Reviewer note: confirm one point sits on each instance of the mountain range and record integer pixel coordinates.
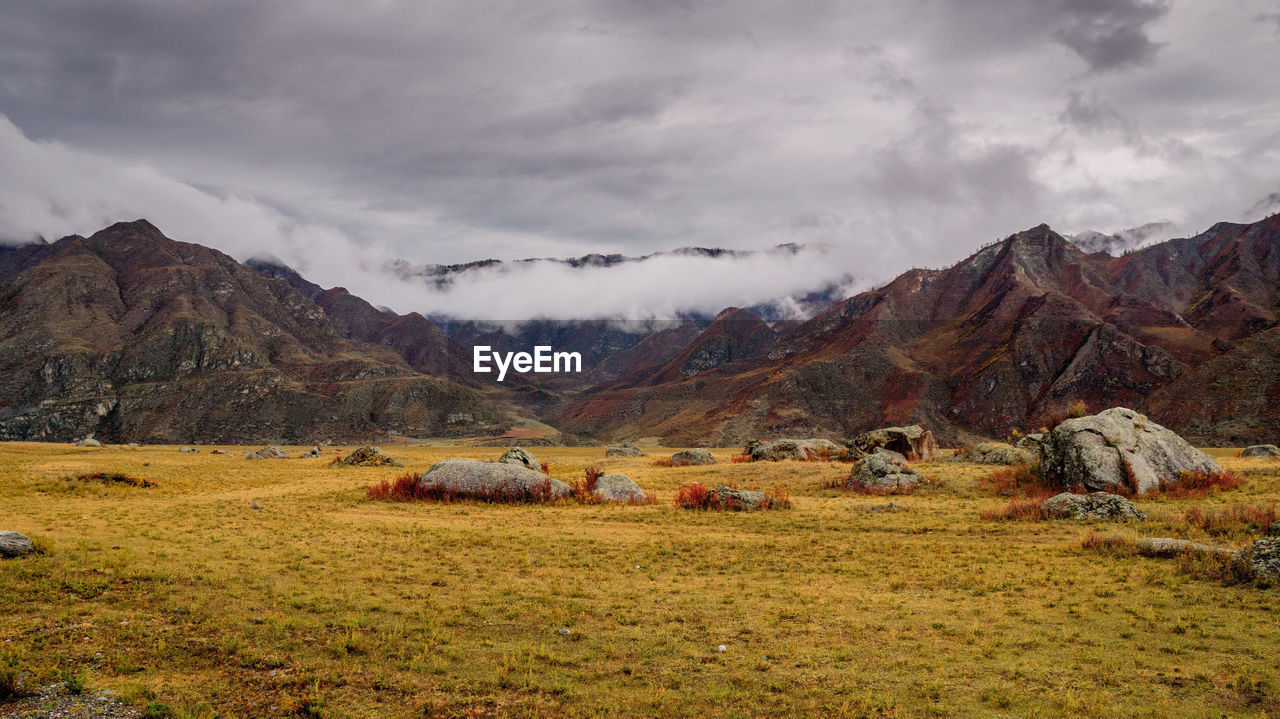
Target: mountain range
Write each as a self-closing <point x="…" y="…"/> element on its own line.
<point x="132" y="336"/>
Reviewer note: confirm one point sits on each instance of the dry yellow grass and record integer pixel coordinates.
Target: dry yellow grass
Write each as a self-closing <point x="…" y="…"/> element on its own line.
<point x="324" y="603"/>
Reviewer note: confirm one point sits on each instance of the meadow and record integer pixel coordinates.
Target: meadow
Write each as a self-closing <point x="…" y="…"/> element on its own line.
<point x="277" y="588"/>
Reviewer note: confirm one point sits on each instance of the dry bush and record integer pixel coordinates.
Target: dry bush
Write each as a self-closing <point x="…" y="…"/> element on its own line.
<point x="663" y="462"/>
<point x="1025" y="510"/>
<point x="1236" y="519"/>
<point x="1026" y="480"/>
<point x="696" y="496"/>
<point x="1108" y="544"/>
<point x="115" y="478"/>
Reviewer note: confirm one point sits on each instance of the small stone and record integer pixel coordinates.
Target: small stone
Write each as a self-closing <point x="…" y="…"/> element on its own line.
<point x="564" y="631"/>
<point x="722" y="649"/>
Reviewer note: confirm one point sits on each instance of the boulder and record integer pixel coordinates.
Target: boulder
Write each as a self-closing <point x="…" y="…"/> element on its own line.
<point x="188" y="450"/>
<point x="311" y="453"/>
<point x="1261" y="450"/>
<point x="88" y="442"/>
<point x="493" y="480"/>
<point x="1274" y="529"/>
<point x="1261" y="560"/>
<point x="996" y="453"/>
<point x="882" y="471"/>
<point x="217" y="451"/>
<point x="895" y="456"/>
<point x="802" y="450"/>
<point x="367" y="456"/>
<point x="743" y="500"/>
<point x="522" y="457"/>
<point x="914" y="442"/>
<point x="14" y="545"/>
<point x="268" y="452"/>
<point x="626" y="449"/>
<point x="618" y="488"/>
<point x="1097" y="505"/>
<point x="1033" y="443"/>
<point x="687" y="457"/>
<point x="1167" y="547"/>
<point x="1118" y="448"/>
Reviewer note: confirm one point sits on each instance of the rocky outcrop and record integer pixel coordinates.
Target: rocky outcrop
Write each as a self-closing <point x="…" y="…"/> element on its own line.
<point x="800" y="450"/>
<point x="882" y="471"/>
<point x="1118" y="448"/>
<point x="1261" y="560"/>
<point x="996" y="453"/>
<point x="268" y="452"/>
<point x="522" y="457"/>
<point x="1096" y="505"/>
<point x="690" y="457"/>
<point x="626" y="449"/>
<point x="1261" y="450"/>
<point x="366" y="456"/>
<point x="742" y="500"/>
<point x="618" y="488"/>
<point x="14" y="545"/>
<point x="500" y="481"/>
<point x="913" y="442"/>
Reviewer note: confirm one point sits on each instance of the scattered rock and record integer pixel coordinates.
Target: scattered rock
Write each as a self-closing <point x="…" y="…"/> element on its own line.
<point x="882" y="470"/>
<point x="626" y="449"/>
<point x="269" y="452"/>
<point x="913" y="442"/>
<point x="218" y="451"/>
<point x="996" y="453"/>
<point x="695" y="456"/>
<point x="255" y="505"/>
<point x="1168" y="547"/>
<point x="802" y="450"/>
<point x="1096" y="505"/>
<point x="470" y="477"/>
<point x="618" y="488"/>
<point x="744" y="500"/>
<point x="564" y="631"/>
<point x="55" y="701"/>
<point x="1261" y="560"/>
<point x="722" y="649"/>
<point x="1117" y="448"/>
<point x="522" y="457"/>
<point x="311" y="454"/>
<point x="366" y="456"/>
<point x="1261" y="450"/>
<point x="1033" y="443"/>
<point x="188" y="450"/>
<point x="88" y="442"/>
<point x="14" y="545"/>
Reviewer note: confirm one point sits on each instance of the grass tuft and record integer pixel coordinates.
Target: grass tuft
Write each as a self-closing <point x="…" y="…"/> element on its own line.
<point x="115" y="478"/>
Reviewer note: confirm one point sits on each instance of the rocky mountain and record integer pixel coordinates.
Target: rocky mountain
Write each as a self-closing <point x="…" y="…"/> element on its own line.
<point x="131" y="336"/>
<point x="1119" y="243"/>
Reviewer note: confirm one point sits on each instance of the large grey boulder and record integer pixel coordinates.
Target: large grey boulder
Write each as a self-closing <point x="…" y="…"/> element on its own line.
<point x="522" y="457"/>
<point x="88" y="442"/>
<point x="996" y="453"/>
<point x="1261" y="450"/>
<point x="618" y="488"/>
<point x="268" y="452"/>
<point x="1166" y="547"/>
<point x="913" y="442"/>
<point x="1118" y="448"/>
<point x="492" y="480"/>
<point x="882" y="471"/>
<point x="626" y="449"/>
<point x="14" y="545"/>
<point x="1261" y="560"/>
<point x="744" y="500"/>
<point x="1096" y="505"/>
<point x="802" y="450"/>
<point x="695" y="456"/>
<point x="366" y="456"/>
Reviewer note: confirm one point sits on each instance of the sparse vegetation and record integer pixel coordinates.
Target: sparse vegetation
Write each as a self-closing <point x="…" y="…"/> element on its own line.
<point x="115" y="478"/>
<point x="1026" y="510"/>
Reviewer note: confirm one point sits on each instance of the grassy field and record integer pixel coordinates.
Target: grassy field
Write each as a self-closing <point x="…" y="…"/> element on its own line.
<point x="269" y="588"/>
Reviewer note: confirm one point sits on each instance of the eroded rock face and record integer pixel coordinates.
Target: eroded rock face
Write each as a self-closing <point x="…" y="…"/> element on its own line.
<point x="14" y="545"/>
<point x="367" y="456"/>
<point x="626" y="449"/>
<point x="695" y="456"/>
<point x="882" y="471"/>
<point x="801" y="450"/>
<point x="618" y="488"/>
<point x="1118" y="448"/>
<point x="1096" y="505"/>
<point x="996" y="453"/>
<point x="913" y="442"/>
<point x="1261" y="560"/>
<point x="1261" y="450"/>
<point x="473" y="478"/>
<point x="522" y="457"/>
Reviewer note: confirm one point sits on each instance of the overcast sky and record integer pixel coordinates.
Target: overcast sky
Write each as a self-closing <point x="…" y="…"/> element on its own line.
<point x="338" y="135"/>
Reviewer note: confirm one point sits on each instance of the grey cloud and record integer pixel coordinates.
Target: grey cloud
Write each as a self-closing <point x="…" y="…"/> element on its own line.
<point x="1111" y="34"/>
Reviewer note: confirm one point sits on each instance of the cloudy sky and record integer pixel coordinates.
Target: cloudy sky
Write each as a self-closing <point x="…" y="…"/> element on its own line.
<point x="885" y="134"/>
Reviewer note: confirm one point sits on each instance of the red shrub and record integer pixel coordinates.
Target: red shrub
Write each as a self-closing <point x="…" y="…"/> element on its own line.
<point x="740" y="458"/>
<point x="1229" y="520"/>
<point x="1197" y="484"/>
<point x="1021" y="480"/>
<point x="405" y="489"/>
<point x="408" y="488"/>
<point x="1019" y="510"/>
<point x="546" y="467"/>
<point x="694" y="496"/>
<point x="663" y="462"/>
